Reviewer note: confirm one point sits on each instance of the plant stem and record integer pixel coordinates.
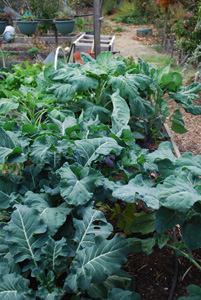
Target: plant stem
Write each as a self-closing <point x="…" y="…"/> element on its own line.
<point x="186" y="255"/>
<point x="151" y="101"/>
<point x="101" y="92"/>
<point x="107" y="103"/>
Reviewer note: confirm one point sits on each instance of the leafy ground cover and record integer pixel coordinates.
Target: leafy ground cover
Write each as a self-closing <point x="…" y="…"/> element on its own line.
<point x="76" y="164"/>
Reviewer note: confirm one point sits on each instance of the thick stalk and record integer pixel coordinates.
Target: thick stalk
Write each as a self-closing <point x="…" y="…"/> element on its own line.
<point x="101" y="92"/>
<point x="156" y="110"/>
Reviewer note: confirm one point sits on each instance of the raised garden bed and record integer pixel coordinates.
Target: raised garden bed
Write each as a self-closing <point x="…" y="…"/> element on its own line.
<point x="88" y="185"/>
<point x="144" y="32"/>
<point x="85" y="41"/>
<point x="21" y="39"/>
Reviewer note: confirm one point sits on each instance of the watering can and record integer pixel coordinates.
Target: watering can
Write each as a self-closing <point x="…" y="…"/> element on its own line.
<point x="8" y="34"/>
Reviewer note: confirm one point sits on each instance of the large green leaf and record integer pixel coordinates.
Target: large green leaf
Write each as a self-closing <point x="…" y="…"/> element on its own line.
<point x="91" y="111"/>
<point x="172" y="80"/>
<point x="83" y="83"/>
<point x="25" y="234"/>
<point x="8" y="104"/>
<point x="63" y="73"/>
<point x="43" y="149"/>
<point x="121" y="111"/>
<point x="192" y="109"/>
<point x="108" y="63"/>
<point x="191" y="233"/>
<point x="140" y="108"/>
<point x="4" y="250"/>
<point x="4" y="267"/>
<point x="87" y="228"/>
<point x="144" y="224"/>
<point x="94" y="70"/>
<point x="55" y="252"/>
<point x="178" y="193"/>
<point x="162" y="160"/>
<point x="77" y="186"/>
<point x="120" y="280"/>
<point x="194" y="292"/>
<point x="177" y="121"/>
<point x="10" y="145"/>
<point x="136" y="189"/>
<point x="53" y="217"/>
<point x="185" y="97"/>
<point x="62" y="126"/>
<point x="13" y="287"/>
<point x="163" y="71"/>
<point x="7" y="187"/>
<point x="164" y="152"/>
<point x="94" y="264"/>
<point x="167" y="218"/>
<point x="187" y="93"/>
<point x="87" y="58"/>
<point x="31" y="177"/>
<point x="141" y="81"/>
<point x="119" y="294"/>
<point x="128" y="85"/>
<point x="142" y="245"/>
<point x="7" y="264"/>
<point x="91" y="149"/>
<point x="64" y="92"/>
<point x="127" y="89"/>
<point x="188" y="161"/>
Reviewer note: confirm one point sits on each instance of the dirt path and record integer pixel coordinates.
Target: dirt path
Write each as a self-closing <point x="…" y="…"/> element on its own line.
<point x="125" y="41"/>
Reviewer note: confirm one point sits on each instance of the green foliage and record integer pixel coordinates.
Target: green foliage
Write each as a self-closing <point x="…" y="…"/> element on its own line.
<point x="119" y="29"/>
<point x="136" y="12"/>
<point x="28" y="17"/>
<point x="46" y="9"/>
<point x="33" y="50"/>
<point x="62" y="163"/>
<point x="194" y="292"/>
<point x="110" y="7"/>
<point x="187" y="29"/>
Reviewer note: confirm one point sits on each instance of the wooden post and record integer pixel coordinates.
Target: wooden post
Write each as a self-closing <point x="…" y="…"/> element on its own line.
<point x="168" y="45"/>
<point x="96" y="27"/>
<point x="172" y="45"/>
<point x="56" y="36"/>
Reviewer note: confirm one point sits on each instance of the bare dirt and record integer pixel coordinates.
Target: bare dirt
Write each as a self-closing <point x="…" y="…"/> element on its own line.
<point x="126" y="42"/>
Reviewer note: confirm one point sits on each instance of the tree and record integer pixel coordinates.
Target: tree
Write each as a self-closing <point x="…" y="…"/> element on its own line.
<point x="165" y="4"/>
<point x="45" y="9"/>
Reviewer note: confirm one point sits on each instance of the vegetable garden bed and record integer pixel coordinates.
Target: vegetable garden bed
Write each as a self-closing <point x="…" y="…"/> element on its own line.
<point x="77" y="170"/>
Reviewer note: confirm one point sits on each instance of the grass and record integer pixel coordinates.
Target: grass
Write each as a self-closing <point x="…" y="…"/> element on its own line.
<point x="161" y="60"/>
<point x="119" y="29"/>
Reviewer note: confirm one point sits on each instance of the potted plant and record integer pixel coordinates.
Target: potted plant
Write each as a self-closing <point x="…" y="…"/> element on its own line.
<point x="28" y="24"/>
<point x="65" y="21"/>
<point x="5" y="17"/>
